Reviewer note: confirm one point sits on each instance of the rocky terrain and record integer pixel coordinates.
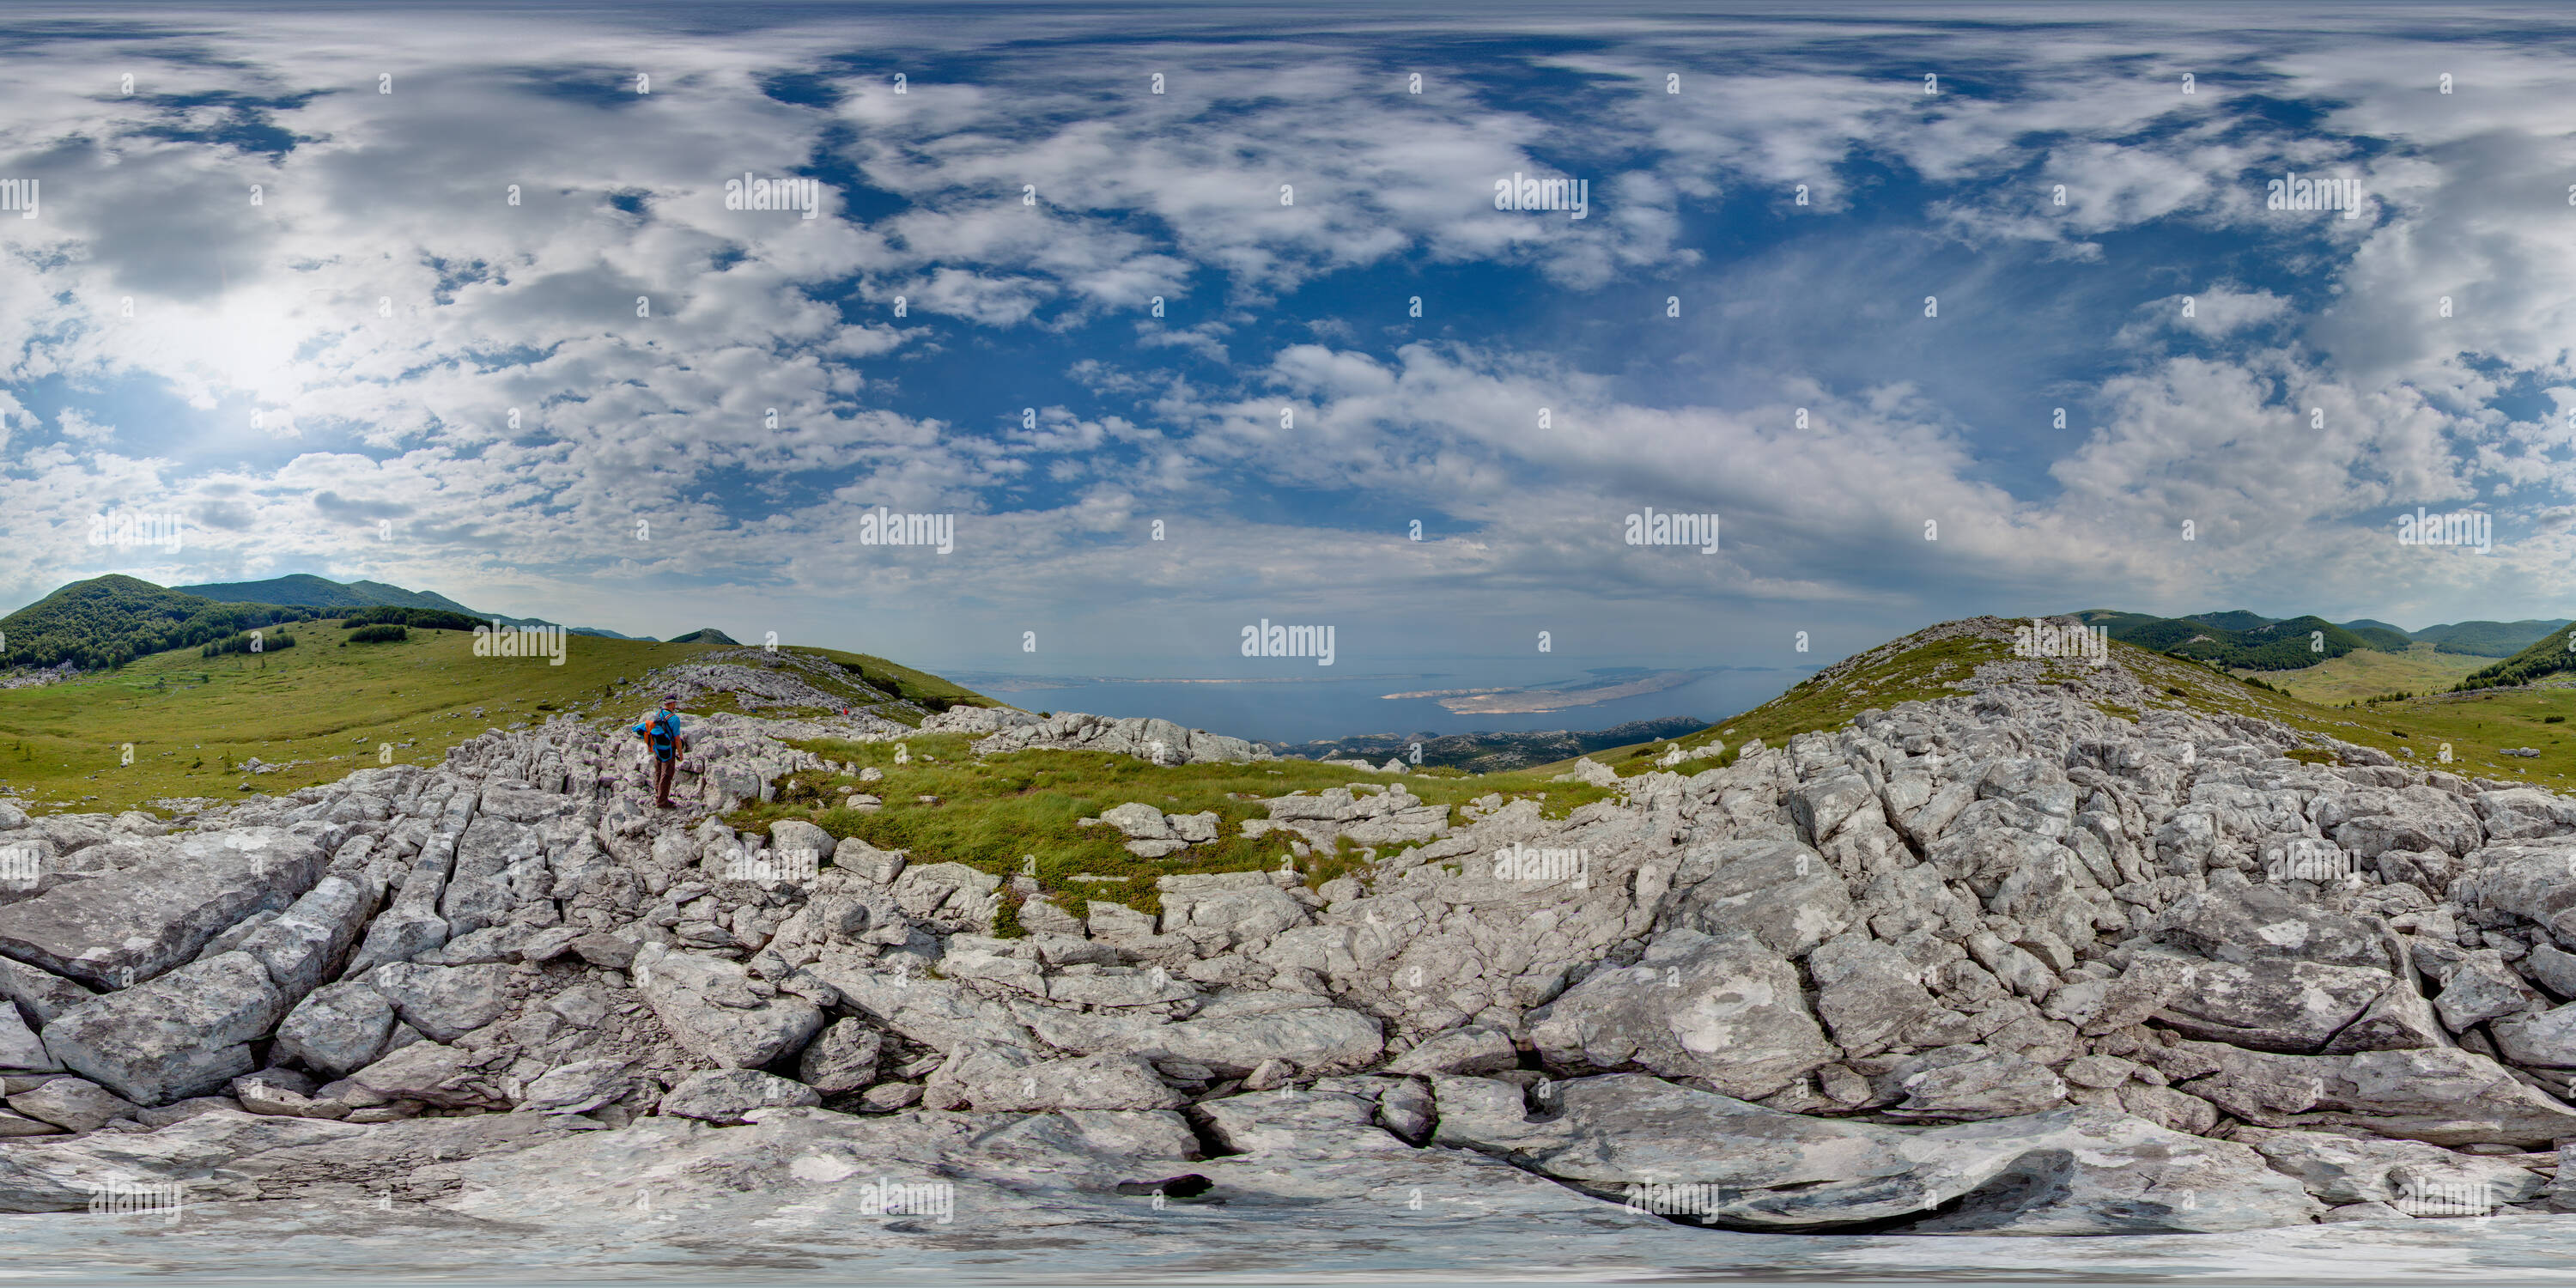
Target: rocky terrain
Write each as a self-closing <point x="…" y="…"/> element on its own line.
<point x="2002" y="963"/>
<point x="1495" y="752"/>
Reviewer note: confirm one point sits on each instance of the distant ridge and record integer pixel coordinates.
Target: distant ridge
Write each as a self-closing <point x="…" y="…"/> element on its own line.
<point x="2489" y="639"/>
<point x="2250" y="641"/>
<point x="304" y="590"/>
<point x="704" y="635"/>
<point x="112" y="619"/>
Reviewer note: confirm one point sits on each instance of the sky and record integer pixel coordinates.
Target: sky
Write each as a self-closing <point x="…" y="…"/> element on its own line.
<point x="1939" y="310"/>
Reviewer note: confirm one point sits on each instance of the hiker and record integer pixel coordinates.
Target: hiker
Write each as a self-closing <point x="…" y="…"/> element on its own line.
<point x="661" y="732"/>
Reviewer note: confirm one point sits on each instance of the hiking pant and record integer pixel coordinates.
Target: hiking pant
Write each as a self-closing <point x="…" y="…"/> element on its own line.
<point x="662" y="772"/>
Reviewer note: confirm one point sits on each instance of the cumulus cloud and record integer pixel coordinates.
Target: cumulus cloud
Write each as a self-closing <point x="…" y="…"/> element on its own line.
<point x="494" y="333"/>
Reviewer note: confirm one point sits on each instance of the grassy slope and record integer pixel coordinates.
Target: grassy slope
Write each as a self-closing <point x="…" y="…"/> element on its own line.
<point x="188" y="716"/>
<point x="2422" y="668"/>
<point x="2489" y="639"/>
<point x="2476" y="725"/>
<point x="2550" y="655"/>
<point x="301" y="588"/>
<point x="905" y="682"/>
<point x="2240" y="639"/>
<point x="101" y="620"/>
<point x="992" y="812"/>
<point x="995" y="812"/>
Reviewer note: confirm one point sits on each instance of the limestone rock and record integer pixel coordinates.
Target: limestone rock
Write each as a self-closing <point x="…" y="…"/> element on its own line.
<point x="699" y="998"/>
<point x="842" y="1059"/>
<point x="40" y="995"/>
<point x="1313" y="1040"/>
<point x="1971" y="1082"/>
<point x="1086" y="1082"/>
<point x="444" y="1002"/>
<point x="2442" y="1096"/>
<point x="72" y="1104"/>
<point x="2075" y="1170"/>
<point x="2345" y="1169"/>
<point x="125" y="927"/>
<point x="182" y="1034"/>
<point x="1726" y="1010"/>
<point x="730" y="1095"/>
<point x="338" y="1029"/>
<point x="435" y="1074"/>
<point x="21" y="1051"/>
<point x="577" y="1088"/>
<point x="1471" y="1050"/>
<point x="1780" y="893"/>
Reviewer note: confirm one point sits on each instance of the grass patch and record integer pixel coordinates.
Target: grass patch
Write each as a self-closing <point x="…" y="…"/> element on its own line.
<point x="2476" y="726"/>
<point x="995" y="813"/>
<point x="930" y="691"/>
<point x="191" y="717"/>
<point x="1826" y="700"/>
<point x="2363" y="674"/>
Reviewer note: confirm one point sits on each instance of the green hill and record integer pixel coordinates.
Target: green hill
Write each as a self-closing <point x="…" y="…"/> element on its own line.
<point x="2234" y="619"/>
<point x="111" y="620"/>
<point x="321" y="710"/>
<point x="2474" y="727"/>
<point x="705" y="635"/>
<point x="2546" y="656"/>
<point x="2385" y="639"/>
<point x="307" y="590"/>
<point x="2488" y="639"/>
<point x="2360" y="625"/>
<point x="2363" y="674"/>
<point x="2246" y="641"/>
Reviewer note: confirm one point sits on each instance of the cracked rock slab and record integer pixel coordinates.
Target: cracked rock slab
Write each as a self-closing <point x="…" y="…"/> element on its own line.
<point x="1727" y="1010"/>
<point x="126" y="927"/>
<point x="2075" y="1170"/>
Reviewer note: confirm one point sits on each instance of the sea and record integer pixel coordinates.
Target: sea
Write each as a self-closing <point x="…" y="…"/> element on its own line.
<point x="1303" y="709"/>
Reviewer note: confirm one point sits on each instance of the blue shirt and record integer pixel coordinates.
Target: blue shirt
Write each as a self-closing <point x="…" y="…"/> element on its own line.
<point x="663" y="727"/>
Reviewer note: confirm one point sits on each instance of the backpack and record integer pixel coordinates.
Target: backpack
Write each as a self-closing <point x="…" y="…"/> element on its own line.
<point x="664" y="731"/>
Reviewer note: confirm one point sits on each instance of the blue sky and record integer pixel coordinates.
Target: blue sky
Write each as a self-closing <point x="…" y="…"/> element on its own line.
<point x="325" y="381"/>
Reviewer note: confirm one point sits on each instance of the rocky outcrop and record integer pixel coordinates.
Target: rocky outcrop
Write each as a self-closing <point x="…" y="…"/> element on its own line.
<point x="1719" y="1161"/>
<point x="2002" y="963"/>
<point x="129" y="925"/>
<point x="1158" y="741"/>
